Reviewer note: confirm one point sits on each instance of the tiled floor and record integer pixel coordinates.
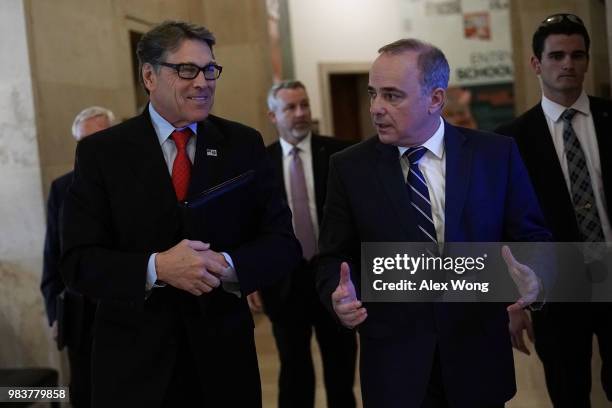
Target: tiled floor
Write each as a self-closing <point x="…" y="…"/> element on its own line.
<point x="530" y="378"/>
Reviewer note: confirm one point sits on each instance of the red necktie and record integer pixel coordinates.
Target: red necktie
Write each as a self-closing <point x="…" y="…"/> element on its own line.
<point x="181" y="168"/>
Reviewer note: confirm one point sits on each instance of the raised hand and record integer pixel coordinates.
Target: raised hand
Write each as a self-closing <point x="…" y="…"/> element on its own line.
<point x="344" y="300"/>
<point x="525" y="279"/>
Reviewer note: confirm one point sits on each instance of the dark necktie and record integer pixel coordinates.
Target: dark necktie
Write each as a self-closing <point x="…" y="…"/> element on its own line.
<point x="583" y="197"/>
<point x="302" y="220"/>
<point x="181" y="168"/>
<point x="419" y="194"/>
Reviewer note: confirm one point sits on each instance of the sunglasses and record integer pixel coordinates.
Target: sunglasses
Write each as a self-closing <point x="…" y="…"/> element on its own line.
<point x="557" y="18"/>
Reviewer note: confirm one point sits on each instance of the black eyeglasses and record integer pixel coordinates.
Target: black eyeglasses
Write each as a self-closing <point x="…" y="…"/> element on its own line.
<point x="190" y="71"/>
<point x="557" y="18"/>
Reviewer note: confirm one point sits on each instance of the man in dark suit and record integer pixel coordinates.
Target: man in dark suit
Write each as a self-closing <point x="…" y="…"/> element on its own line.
<point x="87" y="122"/>
<point x="473" y="188"/>
<point x="301" y="159"/>
<point x="568" y="123"/>
<point x="169" y="260"/>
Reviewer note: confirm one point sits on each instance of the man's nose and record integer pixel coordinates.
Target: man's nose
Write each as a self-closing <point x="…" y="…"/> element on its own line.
<point x="200" y="81"/>
<point x="568" y="63"/>
<point x="376" y="106"/>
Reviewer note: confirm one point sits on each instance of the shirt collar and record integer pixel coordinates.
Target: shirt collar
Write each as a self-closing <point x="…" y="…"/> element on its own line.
<point x="163" y="128"/>
<point x="554" y="111"/>
<point x="303" y="145"/>
<point x="434" y="144"/>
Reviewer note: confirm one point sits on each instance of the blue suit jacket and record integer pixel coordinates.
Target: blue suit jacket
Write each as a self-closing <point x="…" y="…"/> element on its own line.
<point x="488" y="198"/>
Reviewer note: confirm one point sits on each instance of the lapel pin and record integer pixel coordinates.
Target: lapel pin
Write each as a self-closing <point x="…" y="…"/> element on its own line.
<point x="211" y="152"/>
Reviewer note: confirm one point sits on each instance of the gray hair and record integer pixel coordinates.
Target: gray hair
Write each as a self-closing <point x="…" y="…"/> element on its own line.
<point x="286" y="84"/>
<point x="167" y="37"/>
<point x="89" y="113"/>
<point x="431" y="61"/>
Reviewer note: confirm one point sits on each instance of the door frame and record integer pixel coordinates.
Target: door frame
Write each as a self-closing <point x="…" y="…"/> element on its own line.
<point x="325" y="71"/>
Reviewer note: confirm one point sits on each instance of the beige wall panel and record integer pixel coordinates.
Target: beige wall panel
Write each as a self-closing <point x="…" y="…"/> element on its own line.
<point x="237" y="21"/>
<point x="156" y="11"/>
<point x="243" y="86"/>
<point x="600" y="61"/>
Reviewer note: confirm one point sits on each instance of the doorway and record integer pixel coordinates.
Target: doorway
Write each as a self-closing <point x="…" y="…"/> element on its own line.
<point x="346" y="102"/>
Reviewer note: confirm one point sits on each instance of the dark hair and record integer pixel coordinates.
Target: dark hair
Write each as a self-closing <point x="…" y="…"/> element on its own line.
<point x="167" y="37"/>
<point x="285" y="84"/>
<point x="567" y="24"/>
<point x="431" y="61"/>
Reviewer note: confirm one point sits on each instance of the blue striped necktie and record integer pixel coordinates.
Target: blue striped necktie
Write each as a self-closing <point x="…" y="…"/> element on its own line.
<point x="419" y="194"/>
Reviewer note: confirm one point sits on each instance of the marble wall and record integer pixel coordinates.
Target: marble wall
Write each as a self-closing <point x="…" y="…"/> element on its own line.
<point x="24" y="339"/>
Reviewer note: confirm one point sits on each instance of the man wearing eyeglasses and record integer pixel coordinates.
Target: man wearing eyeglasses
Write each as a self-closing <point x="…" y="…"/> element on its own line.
<point x="169" y="262"/>
<point x="566" y="145"/>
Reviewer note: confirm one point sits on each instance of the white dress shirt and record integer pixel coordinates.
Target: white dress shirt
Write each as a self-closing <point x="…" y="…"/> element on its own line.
<point x="164" y="130"/>
<point x="306" y="156"/>
<point x="583" y="125"/>
<point x="433" y="167"/>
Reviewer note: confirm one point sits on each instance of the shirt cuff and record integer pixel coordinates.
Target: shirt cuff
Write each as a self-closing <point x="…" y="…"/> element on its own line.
<point x="230" y="283"/>
<point x="231" y="272"/>
<point x="152" y="281"/>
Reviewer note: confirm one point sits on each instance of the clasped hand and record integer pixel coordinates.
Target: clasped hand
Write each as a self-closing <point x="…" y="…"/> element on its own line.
<point x="191" y="266"/>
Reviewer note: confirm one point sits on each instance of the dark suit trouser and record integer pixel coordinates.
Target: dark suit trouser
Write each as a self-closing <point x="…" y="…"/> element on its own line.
<point x="338" y="352"/>
<point x="213" y="371"/>
<point x="564" y="338"/>
<point x="79" y="358"/>
<point x="79" y="355"/>
<point x="435" y="396"/>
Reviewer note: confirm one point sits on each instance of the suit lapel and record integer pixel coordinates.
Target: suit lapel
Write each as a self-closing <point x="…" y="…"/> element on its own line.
<point x="145" y="157"/>
<point x="209" y="159"/>
<point x="458" y="164"/>
<point x="389" y="172"/>
<point x="602" y="118"/>
<point x="320" y="163"/>
<point x="276" y="154"/>
<point x="544" y="149"/>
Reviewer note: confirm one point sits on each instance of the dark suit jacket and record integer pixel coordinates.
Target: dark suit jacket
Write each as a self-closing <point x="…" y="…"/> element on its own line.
<point x="538" y="151"/>
<point x="77" y="314"/>
<point x="52" y="284"/>
<point x="300" y="283"/>
<point x="121" y="208"/>
<point x="488" y="199"/>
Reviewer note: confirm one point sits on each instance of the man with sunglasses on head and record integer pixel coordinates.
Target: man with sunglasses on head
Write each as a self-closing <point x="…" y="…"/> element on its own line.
<point x="564" y="139"/>
<point x="170" y="262"/>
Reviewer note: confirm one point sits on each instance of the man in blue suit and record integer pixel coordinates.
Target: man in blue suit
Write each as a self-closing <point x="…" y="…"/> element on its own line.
<point x="423" y="180"/>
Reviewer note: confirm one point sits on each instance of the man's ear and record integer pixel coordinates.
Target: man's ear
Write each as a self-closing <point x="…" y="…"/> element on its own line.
<point x="149" y="76"/>
<point x="272" y="117"/>
<point x="438" y="96"/>
<point x="536" y="65"/>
